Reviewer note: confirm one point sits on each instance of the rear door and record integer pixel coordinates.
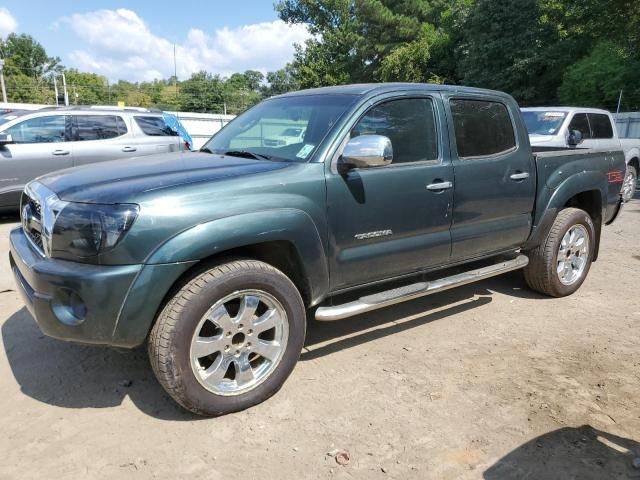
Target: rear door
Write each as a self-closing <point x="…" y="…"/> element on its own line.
<point x="602" y="131"/>
<point x="99" y="138"/>
<point x="41" y="145"/>
<point x="386" y="221"/>
<point x="153" y="136"/>
<point x="494" y="176"/>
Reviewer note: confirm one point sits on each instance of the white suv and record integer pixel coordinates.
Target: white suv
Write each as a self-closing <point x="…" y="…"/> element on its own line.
<point x="33" y="143"/>
<point x="554" y="127"/>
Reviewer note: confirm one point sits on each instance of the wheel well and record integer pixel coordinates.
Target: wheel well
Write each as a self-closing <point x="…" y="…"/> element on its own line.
<point x="279" y="254"/>
<point x="590" y="202"/>
<point x="635" y="163"/>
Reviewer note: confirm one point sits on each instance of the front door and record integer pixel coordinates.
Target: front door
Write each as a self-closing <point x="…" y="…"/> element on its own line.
<point x="580" y="122"/>
<point x="389" y="221"/>
<point x="40" y="146"/>
<point x="494" y="177"/>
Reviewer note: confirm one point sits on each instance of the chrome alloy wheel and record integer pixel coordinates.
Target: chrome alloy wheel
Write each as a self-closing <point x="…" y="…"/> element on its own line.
<point x="630" y="184"/>
<point x="573" y="254"/>
<point x="239" y="342"/>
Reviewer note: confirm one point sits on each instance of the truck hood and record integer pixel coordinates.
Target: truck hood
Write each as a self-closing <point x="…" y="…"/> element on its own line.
<point x="122" y="181"/>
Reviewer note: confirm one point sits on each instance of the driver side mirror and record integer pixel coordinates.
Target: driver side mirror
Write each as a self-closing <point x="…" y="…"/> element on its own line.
<point x="575" y="138"/>
<point x="367" y="151"/>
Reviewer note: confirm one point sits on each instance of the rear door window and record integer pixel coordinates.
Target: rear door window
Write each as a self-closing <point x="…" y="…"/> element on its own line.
<point x="98" y="127"/>
<point x="482" y="128"/>
<point x="154" y="126"/>
<point x="581" y="123"/>
<point x="601" y="125"/>
<point x="49" y="129"/>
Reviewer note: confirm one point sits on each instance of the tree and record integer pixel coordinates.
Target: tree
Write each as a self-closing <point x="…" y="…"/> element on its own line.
<point x="597" y="79"/>
<point x="279" y="82"/>
<point x="203" y="92"/>
<point x="23" y="54"/>
<point x="26" y="69"/>
<point x="372" y="40"/>
<point x="506" y="46"/>
<point x="92" y="89"/>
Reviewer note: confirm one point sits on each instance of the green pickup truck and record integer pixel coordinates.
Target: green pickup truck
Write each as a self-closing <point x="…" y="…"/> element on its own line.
<point x="217" y="259"/>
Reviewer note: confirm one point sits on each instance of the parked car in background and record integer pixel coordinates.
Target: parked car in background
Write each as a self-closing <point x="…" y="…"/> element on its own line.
<point x="33" y="143"/>
<point x="289" y="136"/>
<point x="396" y="191"/>
<point x="555" y="127"/>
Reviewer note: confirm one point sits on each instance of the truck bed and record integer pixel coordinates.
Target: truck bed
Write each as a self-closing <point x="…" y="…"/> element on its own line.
<point x="603" y="170"/>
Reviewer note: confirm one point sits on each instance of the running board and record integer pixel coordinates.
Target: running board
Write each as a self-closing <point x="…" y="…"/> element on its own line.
<point x="410" y="292"/>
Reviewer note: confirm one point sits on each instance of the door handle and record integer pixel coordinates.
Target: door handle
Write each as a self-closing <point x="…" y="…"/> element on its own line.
<point x="438" y="186"/>
<point x="128" y="149"/>
<point x="60" y="152"/>
<point x="519" y="176"/>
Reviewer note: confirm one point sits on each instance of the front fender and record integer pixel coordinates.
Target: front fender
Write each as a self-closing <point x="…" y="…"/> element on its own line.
<point x="217" y="236"/>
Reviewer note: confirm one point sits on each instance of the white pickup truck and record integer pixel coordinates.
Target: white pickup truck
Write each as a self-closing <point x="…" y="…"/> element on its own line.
<point x="567" y="127"/>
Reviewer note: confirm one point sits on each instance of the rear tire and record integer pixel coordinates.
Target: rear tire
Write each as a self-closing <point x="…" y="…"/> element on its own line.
<point x="630" y="183"/>
<point x="229" y="338"/>
<point x="560" y="264"/>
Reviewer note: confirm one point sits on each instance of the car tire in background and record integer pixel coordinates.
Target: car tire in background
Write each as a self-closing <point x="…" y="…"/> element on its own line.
<point x="229" y="337"/>
<point x="560" y="264"/>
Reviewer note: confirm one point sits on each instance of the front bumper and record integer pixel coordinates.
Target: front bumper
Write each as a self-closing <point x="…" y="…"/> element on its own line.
<point x="98" y="304"/>
<point x="69" y="300"/>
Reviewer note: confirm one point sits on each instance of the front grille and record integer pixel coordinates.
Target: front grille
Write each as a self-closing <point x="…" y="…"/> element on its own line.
<point x="36" y="239"/>
<point x="33" y="226"/>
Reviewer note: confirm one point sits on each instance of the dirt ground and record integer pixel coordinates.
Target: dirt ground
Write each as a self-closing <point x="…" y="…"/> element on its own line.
<point x="489" y="381"/>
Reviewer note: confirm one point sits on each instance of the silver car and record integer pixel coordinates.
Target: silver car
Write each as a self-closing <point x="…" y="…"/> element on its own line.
<point x="33" y="143"/>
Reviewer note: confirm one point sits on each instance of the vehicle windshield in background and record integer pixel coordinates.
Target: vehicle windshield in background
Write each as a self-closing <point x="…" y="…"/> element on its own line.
<point x="264" y="130"/>
<point x="543" y="122"/>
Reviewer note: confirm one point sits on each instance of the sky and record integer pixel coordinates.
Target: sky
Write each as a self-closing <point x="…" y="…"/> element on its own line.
<point x="135" y="40"/>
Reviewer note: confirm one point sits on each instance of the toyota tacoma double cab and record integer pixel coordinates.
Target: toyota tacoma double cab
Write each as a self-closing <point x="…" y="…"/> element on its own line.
<point x="217" y="259"/>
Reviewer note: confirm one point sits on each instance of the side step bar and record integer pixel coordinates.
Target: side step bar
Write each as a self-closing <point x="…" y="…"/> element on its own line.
<point x="420" y="289"/>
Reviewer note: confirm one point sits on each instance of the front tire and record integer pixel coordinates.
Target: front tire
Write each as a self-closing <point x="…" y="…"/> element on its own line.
<point x="229" y="338"/>
<point x="560" y="264"/>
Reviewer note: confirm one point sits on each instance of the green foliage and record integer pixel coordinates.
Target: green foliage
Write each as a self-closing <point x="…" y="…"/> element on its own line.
<point x="598" y="78"/>
<point x="524" y="47"/>
<point x="86" y="88"/>
<point x="541" y="51"/>
<point x="506" y="46"/>
<point x="279" y="82"/>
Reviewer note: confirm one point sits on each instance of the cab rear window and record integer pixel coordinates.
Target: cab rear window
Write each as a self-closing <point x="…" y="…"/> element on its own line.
<point x="154" y="127"/>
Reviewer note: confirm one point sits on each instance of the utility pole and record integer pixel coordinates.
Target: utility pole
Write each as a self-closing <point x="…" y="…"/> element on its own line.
<point x="75" y="94"/>
<point x="4" y="90"/>
<point x="619" y="102"/>
<point x="64" y="87"/>
<point x="55" y="88"/>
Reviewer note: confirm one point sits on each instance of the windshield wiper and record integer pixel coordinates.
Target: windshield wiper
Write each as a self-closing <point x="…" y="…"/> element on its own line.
<point x="247" y="154"/>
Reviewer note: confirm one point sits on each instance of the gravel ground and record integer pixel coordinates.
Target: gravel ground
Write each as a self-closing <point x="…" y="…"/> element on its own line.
<point x="486" y="381"/>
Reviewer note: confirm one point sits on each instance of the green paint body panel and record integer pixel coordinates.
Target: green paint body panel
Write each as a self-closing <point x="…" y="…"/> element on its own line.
<point x="194" y="206"/>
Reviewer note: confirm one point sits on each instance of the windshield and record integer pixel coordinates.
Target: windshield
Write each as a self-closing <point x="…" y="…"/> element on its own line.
<point x="258" y="132"/>
<point x="543" y="122"/>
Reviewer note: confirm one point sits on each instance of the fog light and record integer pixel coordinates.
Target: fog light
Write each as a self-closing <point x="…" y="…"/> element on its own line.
<point x="69" y="307"/>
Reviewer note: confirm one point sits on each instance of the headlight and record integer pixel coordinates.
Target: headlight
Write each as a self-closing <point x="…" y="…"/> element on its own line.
<point x="86" y="229"/>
